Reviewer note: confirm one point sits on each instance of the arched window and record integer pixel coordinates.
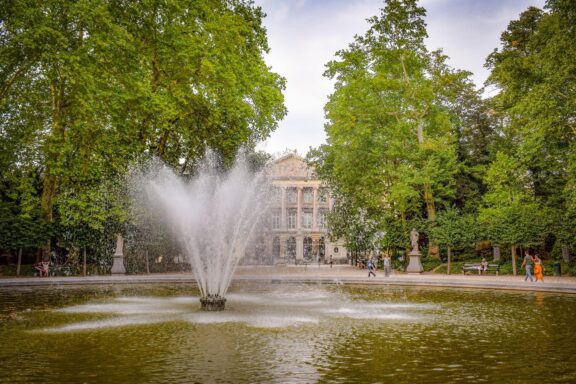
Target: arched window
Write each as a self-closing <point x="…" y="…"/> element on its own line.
<point x="291" y="248"/>
<point x="322" y="248"/>
<point x="308" y="248"/>
<point x="259" y="250"/>
<point x="276" y="248"/>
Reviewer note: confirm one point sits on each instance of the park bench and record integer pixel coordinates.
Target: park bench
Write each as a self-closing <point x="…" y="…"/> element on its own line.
<point x="476" y="267"/>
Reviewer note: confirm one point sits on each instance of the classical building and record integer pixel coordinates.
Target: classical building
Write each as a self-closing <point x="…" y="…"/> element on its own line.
<point x="296" y="227"/>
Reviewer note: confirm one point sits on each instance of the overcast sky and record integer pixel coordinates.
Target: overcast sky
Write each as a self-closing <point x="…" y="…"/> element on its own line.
<point x="305" y="34"/>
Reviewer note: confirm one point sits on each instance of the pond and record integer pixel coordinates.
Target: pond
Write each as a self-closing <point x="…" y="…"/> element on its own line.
<point x="286" y="333"/>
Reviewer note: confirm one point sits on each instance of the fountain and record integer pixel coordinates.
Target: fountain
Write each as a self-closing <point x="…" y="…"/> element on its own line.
<point x="214" y="215"/>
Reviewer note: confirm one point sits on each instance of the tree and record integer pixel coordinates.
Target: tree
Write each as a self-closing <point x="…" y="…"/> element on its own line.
<point x="534" y="71"/>
<point x="453" y="230"/>
<point x="511" y="214"/>
<point x="87" y="86"/>
<point x="391" y="137"/>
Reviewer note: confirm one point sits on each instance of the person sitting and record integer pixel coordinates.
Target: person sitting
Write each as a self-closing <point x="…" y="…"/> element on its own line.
<point x="483" y="266"/>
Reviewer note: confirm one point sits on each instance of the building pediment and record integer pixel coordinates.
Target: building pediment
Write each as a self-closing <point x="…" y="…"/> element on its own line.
<point x="290" y="166"/>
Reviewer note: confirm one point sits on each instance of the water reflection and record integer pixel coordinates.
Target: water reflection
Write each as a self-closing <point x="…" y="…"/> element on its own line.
<point x="288" y="333"/>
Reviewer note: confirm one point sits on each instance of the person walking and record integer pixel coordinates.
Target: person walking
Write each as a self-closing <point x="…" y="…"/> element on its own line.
<point x="538" y="269"/>
<point x="331" y="262"/>
<point x="387" y="265"/>
<point x="527" y="264"/>
<point x="371" y="268"/>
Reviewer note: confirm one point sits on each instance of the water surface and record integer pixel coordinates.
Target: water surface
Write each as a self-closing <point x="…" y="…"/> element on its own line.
<point x="286" y="333"/>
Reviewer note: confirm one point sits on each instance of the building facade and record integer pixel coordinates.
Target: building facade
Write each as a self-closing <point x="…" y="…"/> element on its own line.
<point x="296" y="228"/>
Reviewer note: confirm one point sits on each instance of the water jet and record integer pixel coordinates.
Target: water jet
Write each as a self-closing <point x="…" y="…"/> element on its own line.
<point x="214" y="215"/>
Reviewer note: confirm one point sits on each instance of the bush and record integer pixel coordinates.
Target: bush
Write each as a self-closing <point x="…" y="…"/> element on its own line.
<point x="429" y="264"/>
<point x="10" y="270"/>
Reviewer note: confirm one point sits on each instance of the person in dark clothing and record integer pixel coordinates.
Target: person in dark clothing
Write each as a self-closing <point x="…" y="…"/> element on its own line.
<point x="371" y="268"/>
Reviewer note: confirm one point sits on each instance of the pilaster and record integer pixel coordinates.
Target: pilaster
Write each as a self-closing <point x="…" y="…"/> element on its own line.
<point x="283" y="209"/>
<point x="299" y="208"/>
<point x="299" y="248"/>
<point x="315" y="209"/>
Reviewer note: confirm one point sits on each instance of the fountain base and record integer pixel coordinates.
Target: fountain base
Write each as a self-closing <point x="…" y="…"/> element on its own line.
<point x="212" y="303"/>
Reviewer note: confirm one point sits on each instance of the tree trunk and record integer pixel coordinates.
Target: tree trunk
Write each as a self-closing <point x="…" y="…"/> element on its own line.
<point x="433" y="248"/>
<point x="514" y="271"/>
<point x="147" y="262"/>
<point x="47" y="199"/>
<point x="84" y="262"/>
<point x="19" y="262"/>
<point x="449" y="258"/>
<point x="50" y="183"/>
<point x="565" y="253"/>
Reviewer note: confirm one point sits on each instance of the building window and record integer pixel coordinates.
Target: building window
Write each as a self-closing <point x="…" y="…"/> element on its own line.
<point x="291" y="248"/>
<point x="292" y="218"/>
<point x="292" y="195"/>
<point x="321" y="219"/>
<point x="308" y="248"/>
<point x="307" y="218"/>
<point x="276" y="218"/>
<point x="308" y="195"/>
<point x="276" y="195"/>
<point x="276" y="247"/>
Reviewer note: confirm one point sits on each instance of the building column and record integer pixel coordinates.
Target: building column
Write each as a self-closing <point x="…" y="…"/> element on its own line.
<point x="269" y="257"/>
<point x="315" y="209"/>
<point x="283" y="209"/>
<point x="299" y="248"/>
<point x="299" y="208"/>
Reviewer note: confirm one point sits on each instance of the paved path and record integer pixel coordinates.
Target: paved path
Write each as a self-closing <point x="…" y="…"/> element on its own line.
<point x="339" y="274"/>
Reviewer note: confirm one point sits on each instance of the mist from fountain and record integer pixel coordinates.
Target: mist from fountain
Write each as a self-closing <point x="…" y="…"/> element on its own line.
<point x="214" y="215"/>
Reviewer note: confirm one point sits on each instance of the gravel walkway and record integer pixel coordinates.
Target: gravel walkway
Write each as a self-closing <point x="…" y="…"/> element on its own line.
<point x="339" y="274"/>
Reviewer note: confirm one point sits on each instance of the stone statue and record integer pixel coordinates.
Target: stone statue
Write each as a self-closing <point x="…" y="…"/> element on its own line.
<point x="119" y="245"/>
<point x="414" y="237"/>
<point x="118" y="262"/>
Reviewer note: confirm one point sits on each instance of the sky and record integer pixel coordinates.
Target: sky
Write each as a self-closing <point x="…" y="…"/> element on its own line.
<point x="304" y="35"/>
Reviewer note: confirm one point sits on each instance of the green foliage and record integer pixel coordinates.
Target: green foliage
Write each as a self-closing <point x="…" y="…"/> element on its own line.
<point x="88" y="86"/>
<point x="531" y="180"/>
<point x="454" y="229"/>
<point x="412" y="144"/>
<point x="430" y="264"/>
<point x="392" y="144"/>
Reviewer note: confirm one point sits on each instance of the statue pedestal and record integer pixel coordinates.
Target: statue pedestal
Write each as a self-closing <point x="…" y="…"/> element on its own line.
<point x="415" y="265"/>
<point x="118" y="264"/>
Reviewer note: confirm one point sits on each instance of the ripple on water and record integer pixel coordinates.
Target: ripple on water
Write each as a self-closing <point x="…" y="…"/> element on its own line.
<point x="364" y="334"/>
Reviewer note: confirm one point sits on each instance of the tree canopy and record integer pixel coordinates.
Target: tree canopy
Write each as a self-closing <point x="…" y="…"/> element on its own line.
<point x="408" y="137"/>
<point x="88" y="86"/>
